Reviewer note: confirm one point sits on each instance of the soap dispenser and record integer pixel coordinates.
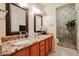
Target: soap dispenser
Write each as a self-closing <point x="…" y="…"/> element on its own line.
<point x="0" y="46"/>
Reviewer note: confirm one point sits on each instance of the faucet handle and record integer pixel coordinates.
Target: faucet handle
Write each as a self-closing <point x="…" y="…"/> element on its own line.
<point x="26" y="34"/>
<point x="20" y="33"/>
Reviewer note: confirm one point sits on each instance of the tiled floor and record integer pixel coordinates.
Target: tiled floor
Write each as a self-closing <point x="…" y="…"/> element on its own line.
<point x="62" y="51"/>
<point x="68" y="44"/>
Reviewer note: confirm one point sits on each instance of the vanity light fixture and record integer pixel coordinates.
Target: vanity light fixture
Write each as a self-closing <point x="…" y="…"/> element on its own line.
<point x="23" y="4"/>
<point x="36" y="10"/>
<point x="2" y="14"/>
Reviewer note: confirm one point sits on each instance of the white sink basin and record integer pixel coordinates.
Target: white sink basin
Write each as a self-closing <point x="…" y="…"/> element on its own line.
<point x="22" y="42"/>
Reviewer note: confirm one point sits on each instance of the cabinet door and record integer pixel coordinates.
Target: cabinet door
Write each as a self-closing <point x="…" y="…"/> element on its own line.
<point x="42" y="53"/>
<point x="28" y="51"/>
<point x="53" y="44"/>
<point x="50" y="44"/>
<point x="35" y="50"/>
<point x="23" y="52"/>
<point x="42" y="50"/>
<point x="47" y="46"/>
<point x="42" y="43"/>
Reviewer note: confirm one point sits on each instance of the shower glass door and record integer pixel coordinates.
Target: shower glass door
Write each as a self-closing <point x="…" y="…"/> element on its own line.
<point x="66" y="25"/>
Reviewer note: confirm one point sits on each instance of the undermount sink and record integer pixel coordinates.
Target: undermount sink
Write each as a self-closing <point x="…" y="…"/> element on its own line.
<point x="24" y="42"/>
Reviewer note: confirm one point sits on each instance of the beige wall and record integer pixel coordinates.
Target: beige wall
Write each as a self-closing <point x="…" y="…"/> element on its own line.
<point x="50" y="19"/>
<point x="31" y="22"/>
<point x="2" y="22"/>
<point x="31" y="16"/>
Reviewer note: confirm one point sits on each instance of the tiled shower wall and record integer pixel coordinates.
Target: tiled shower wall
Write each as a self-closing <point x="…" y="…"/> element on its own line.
<point x="64" y="14"/>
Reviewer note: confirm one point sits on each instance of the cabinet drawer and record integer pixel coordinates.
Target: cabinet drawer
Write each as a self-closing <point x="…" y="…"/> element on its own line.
<point x="35" y="50"/>
<point x="42" y="53"/>
<point x="42" y="43"/>
<point x="42" y="48"/>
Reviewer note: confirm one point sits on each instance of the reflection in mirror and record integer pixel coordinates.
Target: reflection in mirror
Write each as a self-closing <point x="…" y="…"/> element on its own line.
<point x="37" y="23"/>
<point x="16" y="19"/>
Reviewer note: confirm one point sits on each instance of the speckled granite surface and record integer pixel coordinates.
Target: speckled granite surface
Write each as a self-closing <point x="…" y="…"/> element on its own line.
<point x="8" y="47"/>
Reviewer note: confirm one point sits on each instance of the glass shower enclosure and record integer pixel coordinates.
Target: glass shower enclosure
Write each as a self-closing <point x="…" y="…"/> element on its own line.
<point x="66" y="25"/>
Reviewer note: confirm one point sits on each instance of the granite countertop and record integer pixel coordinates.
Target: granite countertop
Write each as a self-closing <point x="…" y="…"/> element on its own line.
<point x="8" y="48"/>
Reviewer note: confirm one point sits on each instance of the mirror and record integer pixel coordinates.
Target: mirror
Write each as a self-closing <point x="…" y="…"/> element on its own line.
<point x="16" y="19"/>
<point x="37" y="23"/>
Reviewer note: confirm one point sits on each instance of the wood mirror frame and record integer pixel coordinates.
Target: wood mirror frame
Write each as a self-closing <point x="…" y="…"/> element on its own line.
<point x="8" y="20"/>
<point x="35" y="21"/>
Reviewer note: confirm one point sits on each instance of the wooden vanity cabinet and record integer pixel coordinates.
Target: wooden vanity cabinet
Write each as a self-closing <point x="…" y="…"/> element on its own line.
<point x="23" y="52"/>
<point x="35" y="49"/>
<point x="28" y="51"/>
<point x="52" y="44"/>
<point x="42" y="48"/>
<point x="48" y="45"/>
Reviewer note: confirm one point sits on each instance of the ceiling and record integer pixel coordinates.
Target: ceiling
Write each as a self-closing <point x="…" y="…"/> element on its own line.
<point x="52" y="4"/>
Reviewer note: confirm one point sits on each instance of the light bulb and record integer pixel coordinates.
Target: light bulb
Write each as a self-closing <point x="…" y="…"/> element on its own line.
<point x="23" y="4"/>
<point x="36" y="10"/>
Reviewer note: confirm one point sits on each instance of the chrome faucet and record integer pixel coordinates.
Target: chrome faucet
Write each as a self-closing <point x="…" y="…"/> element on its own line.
<point x="20" y="34"/>
<point x="26" y="34"/>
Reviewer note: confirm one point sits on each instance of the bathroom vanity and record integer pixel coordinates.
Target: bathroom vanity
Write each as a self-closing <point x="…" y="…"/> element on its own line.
<point x="17" y="45"/>
<point x="42" y="46"/>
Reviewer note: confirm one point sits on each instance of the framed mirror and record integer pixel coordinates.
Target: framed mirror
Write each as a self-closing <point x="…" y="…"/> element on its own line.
<point x="37" y="23"/>
<point x="16" y="19"/>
